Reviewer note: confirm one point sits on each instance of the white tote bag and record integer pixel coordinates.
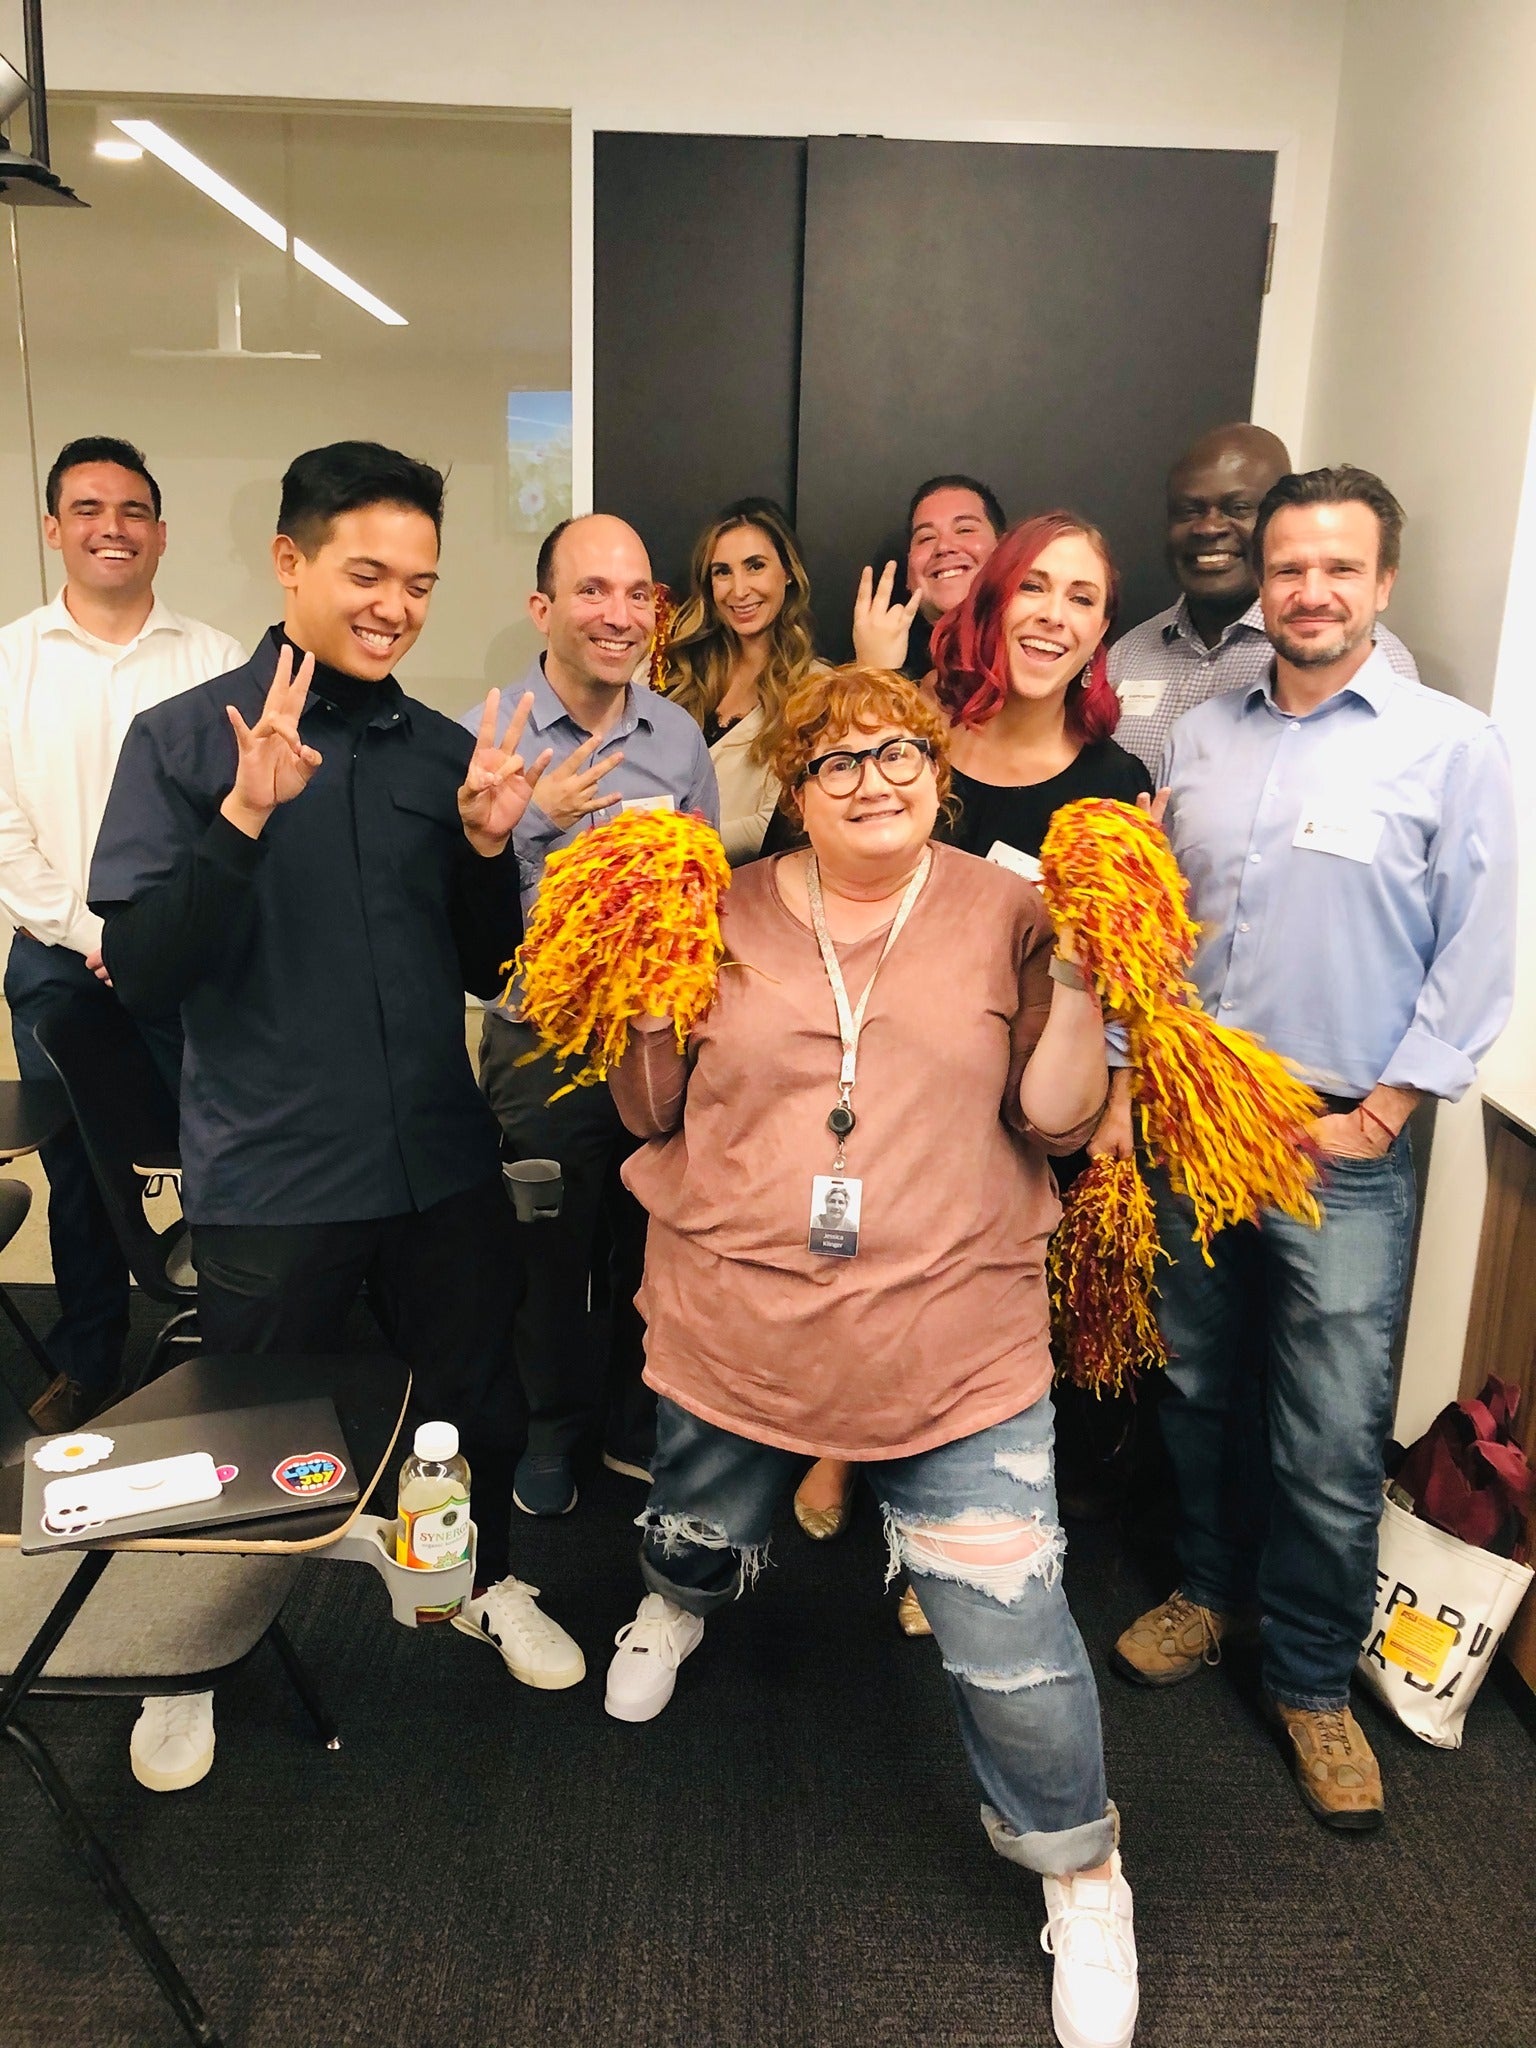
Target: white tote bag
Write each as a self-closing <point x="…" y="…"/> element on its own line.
<point x="1442" y="1607"/>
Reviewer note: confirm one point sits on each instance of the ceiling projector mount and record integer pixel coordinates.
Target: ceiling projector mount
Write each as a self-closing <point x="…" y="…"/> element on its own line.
<point x="27" y="180"/>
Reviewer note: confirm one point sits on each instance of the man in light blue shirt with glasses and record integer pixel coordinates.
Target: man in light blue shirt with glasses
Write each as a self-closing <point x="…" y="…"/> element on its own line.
<point x="1349" y="840"/>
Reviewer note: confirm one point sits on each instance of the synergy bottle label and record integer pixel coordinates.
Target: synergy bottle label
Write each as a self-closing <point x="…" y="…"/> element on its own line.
<point x="433" y="1539"/>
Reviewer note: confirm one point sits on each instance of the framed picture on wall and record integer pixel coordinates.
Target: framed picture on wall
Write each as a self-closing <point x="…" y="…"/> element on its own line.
<point x="538" y="460"/>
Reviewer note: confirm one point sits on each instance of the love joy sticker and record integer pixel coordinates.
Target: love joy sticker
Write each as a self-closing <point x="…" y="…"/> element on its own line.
<point x="309" y="1474"/>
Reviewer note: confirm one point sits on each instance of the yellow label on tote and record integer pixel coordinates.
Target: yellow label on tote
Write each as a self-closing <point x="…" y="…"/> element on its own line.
<point x="1418" y="1642"/>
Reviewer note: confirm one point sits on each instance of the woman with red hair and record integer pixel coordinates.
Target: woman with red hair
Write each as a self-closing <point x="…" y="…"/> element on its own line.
<point x="1020" y="669"/>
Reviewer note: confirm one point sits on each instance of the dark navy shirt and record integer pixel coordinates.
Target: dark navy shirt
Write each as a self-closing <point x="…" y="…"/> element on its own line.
<point x="321" y="968"/>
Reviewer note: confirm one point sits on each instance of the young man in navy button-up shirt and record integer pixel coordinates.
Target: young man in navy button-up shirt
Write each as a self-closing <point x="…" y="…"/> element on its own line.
<point x="314" y="867"/>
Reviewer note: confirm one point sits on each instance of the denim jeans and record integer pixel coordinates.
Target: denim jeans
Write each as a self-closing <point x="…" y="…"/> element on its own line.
<point x="1295" y="1529"/>
<point x="1019" y="1676"/>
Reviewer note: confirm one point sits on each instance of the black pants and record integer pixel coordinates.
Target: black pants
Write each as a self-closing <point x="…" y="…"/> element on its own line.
<point x="443" y="1282"/>
<point x="89" y="1271"/>
<point x="578" y="1337"/>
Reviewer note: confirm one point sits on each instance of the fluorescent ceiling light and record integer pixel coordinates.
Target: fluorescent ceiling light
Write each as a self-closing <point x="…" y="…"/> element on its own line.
<point x="117" y="149"/>
<point x="171" y="153"/>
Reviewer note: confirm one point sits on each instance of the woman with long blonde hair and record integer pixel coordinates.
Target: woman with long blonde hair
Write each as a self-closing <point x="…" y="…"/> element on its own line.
<point x="741" y="644"/>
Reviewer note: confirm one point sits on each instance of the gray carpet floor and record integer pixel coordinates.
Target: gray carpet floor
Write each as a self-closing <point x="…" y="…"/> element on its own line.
<point x="788" y="1858"/>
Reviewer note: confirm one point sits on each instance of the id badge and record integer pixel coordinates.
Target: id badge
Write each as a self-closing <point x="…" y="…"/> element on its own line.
<point x="1002" y="855"/>
<point x="1140" y="695"/>
<point x="1332" y="827"/>
<point x="648" y="803"/>
<point x="835" y="1203"/>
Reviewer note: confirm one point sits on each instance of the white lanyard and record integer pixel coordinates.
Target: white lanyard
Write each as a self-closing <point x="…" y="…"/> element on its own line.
<point x="850" y="1022"/>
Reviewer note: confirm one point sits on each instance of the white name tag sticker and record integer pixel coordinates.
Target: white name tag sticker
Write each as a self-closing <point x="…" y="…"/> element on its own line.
<point x="1002" y="855"/>
<point x="648" y="803"/>
<point x="1331" y="828"/>
<point x="1140" y="695"/>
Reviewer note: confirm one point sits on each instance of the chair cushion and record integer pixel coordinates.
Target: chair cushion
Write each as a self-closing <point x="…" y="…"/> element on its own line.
<point x="151" y="1615"/>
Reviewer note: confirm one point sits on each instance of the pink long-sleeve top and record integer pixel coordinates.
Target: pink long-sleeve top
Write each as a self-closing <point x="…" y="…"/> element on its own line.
<point x="938" y="1327"/>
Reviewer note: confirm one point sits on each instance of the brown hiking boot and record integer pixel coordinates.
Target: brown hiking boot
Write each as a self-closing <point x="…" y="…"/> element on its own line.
<point x="1170" y="1642"/>
<point x="1336" y="1770"/>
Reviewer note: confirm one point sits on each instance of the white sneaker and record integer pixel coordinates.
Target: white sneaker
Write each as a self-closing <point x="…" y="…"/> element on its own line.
<point x="644" y="1669"/>
<point x="1089" y="1931"/>
<point x="534" y="1649"/>
<point x="171" y="1746"/>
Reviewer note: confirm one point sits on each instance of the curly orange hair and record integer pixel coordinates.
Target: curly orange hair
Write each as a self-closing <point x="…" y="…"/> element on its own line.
<point x="829" y="706"/>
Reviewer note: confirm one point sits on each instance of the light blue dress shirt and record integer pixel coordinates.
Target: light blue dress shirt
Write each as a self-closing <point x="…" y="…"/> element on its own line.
<point x="1162" y="668"/>
<point x="1391" y="957"/>
<point x="664" y="756"/>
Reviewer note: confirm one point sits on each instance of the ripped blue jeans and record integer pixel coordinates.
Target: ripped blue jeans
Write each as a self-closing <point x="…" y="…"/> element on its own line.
<point x="975" y="1523"/>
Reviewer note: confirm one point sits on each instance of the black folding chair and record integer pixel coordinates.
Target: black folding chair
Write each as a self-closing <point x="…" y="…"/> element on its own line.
<point x="15" y="1424"/>
<point x="127" y="1122"/>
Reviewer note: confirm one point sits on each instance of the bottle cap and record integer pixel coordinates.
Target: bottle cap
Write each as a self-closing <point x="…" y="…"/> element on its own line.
<point x="437" y="1442"/>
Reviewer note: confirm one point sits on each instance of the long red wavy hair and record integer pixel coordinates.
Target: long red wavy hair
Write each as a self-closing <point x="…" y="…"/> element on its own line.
<point x="971" y="656"/>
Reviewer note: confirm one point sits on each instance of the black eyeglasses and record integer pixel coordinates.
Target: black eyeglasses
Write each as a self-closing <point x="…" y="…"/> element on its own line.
<point x="900" y="762"/>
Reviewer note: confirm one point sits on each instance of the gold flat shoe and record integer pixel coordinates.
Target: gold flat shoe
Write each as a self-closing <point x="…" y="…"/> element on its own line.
<point x="822" y="1524"/>
<point x="910" y="1618"/>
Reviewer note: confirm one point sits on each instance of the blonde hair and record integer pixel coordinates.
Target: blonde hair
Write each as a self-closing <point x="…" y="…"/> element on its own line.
<point x="838" y="701"/>
<point x="698" y="662"/>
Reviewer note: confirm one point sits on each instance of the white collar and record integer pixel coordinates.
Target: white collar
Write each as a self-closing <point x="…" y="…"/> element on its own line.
<point x="58" y="618"/>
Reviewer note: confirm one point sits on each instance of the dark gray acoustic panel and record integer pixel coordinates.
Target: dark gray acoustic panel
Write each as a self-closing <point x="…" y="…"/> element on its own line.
<point x="696" y="329"/>
<point x="1060" y="321"/>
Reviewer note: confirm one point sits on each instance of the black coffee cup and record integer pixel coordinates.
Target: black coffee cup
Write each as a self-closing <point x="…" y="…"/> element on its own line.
<point x="536" y="1188"/>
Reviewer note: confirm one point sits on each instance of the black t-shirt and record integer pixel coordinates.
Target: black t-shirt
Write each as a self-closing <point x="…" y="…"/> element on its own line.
<point x="1020" y="814"/>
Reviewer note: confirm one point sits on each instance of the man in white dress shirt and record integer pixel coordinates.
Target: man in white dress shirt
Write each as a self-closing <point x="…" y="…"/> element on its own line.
<point x="73" y="674"/>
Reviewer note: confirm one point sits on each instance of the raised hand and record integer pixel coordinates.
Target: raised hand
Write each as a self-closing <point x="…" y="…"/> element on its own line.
<point x="881" y="629"/>
<point x="497" y="788"/>
<point x="1155" y="806"/>
<point x="570" y="793"/>
<point x="274" y="764"/>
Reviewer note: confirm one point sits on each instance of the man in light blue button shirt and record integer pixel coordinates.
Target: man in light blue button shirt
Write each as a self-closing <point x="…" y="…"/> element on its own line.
<point x="1349" y="840"/>
<point x="612" y="744"/>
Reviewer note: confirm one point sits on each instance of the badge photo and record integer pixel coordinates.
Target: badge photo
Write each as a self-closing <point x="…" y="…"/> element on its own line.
<point x="835" y="1204"/>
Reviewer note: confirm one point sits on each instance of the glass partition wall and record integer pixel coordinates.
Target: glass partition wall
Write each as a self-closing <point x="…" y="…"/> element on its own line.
<point x="251" y="280"/>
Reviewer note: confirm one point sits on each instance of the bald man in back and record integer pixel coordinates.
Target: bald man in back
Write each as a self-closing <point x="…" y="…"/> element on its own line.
<point x="1213" y="639"/>
<point x="614" y="745"/>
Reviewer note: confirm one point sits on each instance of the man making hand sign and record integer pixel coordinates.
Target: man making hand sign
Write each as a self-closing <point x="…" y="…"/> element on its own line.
<point x="314" y="867"/>
<point x="613" y="743"/>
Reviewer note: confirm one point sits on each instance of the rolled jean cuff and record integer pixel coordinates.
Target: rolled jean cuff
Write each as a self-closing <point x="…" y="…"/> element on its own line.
<point x="1058" y="1854"/>
<point x="692" y="1599"/>
<point x="1310" y="1702"/>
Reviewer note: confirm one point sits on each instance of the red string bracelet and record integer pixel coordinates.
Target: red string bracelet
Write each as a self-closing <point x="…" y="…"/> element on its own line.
<point x="1376" y="1120"/>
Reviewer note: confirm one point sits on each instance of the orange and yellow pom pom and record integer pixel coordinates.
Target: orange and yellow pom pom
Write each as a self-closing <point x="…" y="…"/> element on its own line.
<point x="1226" y="1116"/>
<point x="1109" y="872"/>
<point x="1102" y="1264"/>
<point x="661" y="638"/>
<point x="626" y="925"/>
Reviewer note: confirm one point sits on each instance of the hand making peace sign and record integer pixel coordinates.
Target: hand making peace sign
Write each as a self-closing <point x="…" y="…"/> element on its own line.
<point x="274" y="763"/>
<point x="497" y="788"/>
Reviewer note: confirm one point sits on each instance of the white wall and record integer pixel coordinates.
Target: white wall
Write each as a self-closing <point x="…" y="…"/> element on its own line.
<point x="1424" y="369"/>
<point x="1264" y="74"/>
